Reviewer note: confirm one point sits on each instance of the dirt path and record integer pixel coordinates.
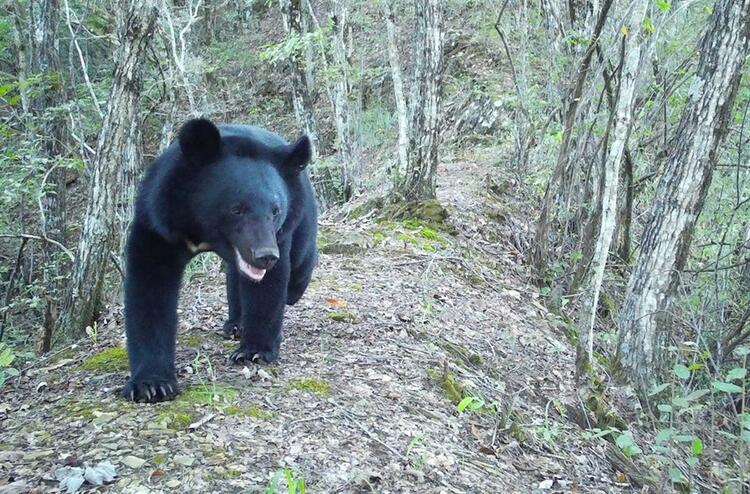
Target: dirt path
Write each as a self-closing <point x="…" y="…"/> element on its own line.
<point x="389" y="338"/>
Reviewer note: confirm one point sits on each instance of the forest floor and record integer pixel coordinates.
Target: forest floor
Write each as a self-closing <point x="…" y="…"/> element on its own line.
<point x="402" y="322"/>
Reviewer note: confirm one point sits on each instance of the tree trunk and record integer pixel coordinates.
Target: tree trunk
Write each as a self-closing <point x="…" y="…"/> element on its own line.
<point x="398" y="92"/>
<point x="681" y="192"/>
<point x="322" y="179"/>
<point x="623" y="120"/>
<point x="539" y="253"/>
<point x="116" y="156"/>
<point x="344" y="112"/>
<point x="45" y="16"/>
<point x="424" y="141"/>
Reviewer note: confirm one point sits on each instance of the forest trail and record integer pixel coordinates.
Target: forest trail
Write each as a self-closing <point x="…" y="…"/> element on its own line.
<point x="399" y="325"/>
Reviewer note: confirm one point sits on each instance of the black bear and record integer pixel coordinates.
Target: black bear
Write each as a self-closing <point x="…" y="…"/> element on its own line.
<point x="236" y="190"/>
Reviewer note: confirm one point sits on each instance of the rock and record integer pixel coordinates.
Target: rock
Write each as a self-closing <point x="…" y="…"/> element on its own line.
<point x="133" y="461"/>
<point x="184" y="460"/>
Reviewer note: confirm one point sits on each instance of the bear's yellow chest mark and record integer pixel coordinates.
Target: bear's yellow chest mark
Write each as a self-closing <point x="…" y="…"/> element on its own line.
<point x="201" y="247"/>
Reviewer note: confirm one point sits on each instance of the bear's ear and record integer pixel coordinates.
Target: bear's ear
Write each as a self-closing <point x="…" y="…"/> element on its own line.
<point x="298" y="155"/>
<point x="200" y="141"/>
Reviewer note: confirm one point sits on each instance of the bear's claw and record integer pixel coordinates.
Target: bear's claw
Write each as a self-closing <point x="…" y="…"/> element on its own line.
<point x="231" y="330"/>
<point x="249" y="355"/>
<point x="150" y="391"/>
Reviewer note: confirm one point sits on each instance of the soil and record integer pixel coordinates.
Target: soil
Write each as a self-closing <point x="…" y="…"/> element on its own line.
<point x="398" y="331"/>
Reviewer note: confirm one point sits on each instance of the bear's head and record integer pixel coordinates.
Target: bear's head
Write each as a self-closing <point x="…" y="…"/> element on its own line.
<point x="241" y="194"/>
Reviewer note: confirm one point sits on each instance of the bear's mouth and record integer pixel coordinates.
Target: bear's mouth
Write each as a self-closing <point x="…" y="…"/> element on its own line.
<point x="255" y="274"/>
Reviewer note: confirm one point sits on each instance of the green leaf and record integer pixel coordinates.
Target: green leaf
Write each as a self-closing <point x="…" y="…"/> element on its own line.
<point x="736" y="373"/>
<point x="741" y="351"/>
<point x="698" y="393"/>
<point x="680" y="402"/>
<point x="663" y="407"/>
<point x="676" y="476"/>
<point x="697" y="446"/>
<point x="664" y="435"/>
<point x="683" y="438"/>
<point x="726" y="387"/>
<point x="627" y="444"/>
<point x="663" y="5"/>
<point x="658" y="389"/>
<point x="692" y="461"/>
<point x="6" y="356"/>
<point x="470" y="402"/>
<point x="681" y="371"/>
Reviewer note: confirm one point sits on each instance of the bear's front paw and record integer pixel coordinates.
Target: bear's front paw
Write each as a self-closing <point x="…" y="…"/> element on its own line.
<point x="249" y="354"/>
<point x="231" y="330"/>
<point x="150" y="390"/>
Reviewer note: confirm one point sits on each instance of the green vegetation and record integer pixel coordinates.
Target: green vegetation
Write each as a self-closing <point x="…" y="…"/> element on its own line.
<point x="310" y="385"/>
<point x="110" y="360"/>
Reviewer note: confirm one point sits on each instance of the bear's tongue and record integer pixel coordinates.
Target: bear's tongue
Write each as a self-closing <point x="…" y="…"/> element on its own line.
<point x="255" y="274"/>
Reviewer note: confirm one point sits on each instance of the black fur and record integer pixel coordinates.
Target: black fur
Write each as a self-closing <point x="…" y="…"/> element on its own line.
<point x="235" y="190"/>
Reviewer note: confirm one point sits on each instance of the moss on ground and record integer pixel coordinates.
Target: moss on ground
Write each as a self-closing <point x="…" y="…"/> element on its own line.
<point x="253" y="411"/>
<point x="454" y="390"/>
<point x="207" y="394"/>
<point x="341" y="316"/>
<point x="109" y="360"/>
<point x="310" y="385"/>
<point x="191" y="341"/>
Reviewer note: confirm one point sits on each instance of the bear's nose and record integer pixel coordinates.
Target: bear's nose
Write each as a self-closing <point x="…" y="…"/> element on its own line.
<point x="265" y="257"/>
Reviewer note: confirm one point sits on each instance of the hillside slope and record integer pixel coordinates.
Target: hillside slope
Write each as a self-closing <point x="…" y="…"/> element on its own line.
<point x="402" y="321"/>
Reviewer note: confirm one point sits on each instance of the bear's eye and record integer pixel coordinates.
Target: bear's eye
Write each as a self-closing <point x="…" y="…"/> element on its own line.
<point x="276" y="210"/>
<point x="238" y="209"/>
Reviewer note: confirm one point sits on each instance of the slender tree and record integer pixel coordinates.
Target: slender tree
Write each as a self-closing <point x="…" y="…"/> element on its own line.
<point x="418" y="121"/>
<point x="633" y="45"/>
<point x="681" y="192"/>
<point x="118" y="148"/>
<point x="50" y="94"/>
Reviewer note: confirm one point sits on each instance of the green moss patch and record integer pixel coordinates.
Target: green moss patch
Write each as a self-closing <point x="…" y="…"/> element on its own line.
<point x="107" y="361"/>
<point x="310" y="385"/>
<point x="454" y="390"/>
<point x="341" y="316"/>
<point x="207" y="394"/>
<point x="191" y="340"/>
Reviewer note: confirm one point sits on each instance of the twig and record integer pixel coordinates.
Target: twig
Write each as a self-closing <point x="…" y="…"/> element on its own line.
<point x="81" y="59"/>
<point x="205" y="419"/>
<point x="44" y="239"/>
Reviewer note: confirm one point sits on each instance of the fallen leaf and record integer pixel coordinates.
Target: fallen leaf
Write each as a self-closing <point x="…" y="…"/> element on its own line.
<point x="184" y="460"/>
<point x="133" y="461"/>
<point x="336" y="302"/>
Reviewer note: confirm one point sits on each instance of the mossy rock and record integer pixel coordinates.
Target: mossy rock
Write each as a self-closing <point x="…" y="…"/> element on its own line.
<point x="107" y="361"/>
<point x="310" y="385"/>
<point x="430" y="213"/>
<point x="341" y="316"/>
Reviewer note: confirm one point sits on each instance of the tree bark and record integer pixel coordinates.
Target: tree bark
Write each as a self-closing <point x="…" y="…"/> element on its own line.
<point x="419" y="182"/>
<point x="623" y="120"/>
<point x="291" y="15"/>
<point x="398" y="92"/>
<point x="539" y="253"/>
<point x="44" y="17"/>
<point x="115" y="166"/>
<point x="681" y="192"/>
